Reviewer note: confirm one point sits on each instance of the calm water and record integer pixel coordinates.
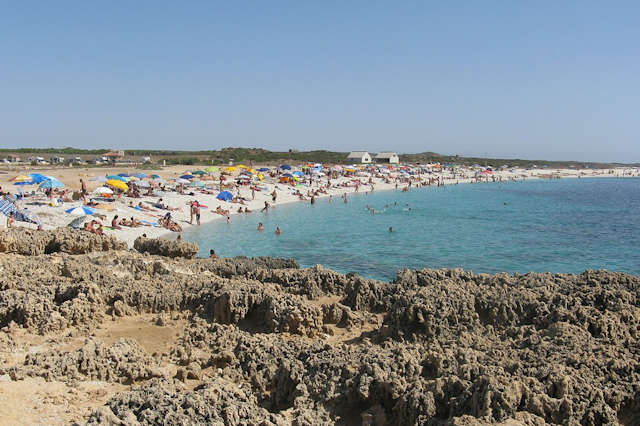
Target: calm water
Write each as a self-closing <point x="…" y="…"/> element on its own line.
<point x="560" y="226"/>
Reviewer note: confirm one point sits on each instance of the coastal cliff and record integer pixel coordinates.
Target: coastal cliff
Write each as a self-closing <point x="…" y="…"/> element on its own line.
<point x="261" y="341"/>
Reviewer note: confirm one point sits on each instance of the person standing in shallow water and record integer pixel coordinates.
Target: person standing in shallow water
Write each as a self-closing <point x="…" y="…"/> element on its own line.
<point x="260" y="227"/>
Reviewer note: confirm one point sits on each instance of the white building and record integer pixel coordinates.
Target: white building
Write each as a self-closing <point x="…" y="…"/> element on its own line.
<point x="387" y="157"/>
<point x="359" y="157"/>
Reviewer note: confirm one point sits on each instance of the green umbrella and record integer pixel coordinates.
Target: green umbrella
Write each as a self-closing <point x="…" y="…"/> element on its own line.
<point x="212" y="169"/>
<point x="199" y="172"/>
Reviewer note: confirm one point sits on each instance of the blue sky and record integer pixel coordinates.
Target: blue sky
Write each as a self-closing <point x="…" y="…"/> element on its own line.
<point x="540" y="79"/>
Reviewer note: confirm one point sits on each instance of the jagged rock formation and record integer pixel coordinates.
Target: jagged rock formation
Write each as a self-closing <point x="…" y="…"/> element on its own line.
<point x="164" y="247"/>
<point x="62" y="240"/>
<point x="269" y="343"/>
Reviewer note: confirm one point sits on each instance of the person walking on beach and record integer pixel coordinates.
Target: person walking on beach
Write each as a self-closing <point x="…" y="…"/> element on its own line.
<point x="192" y="209"/>
<point x="274" y="195"/>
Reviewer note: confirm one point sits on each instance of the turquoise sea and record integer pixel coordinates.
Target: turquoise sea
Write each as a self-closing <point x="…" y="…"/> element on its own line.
<point x="566" y="225"/>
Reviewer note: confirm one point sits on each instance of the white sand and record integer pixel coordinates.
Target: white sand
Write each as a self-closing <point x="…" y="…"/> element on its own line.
<point x="53" y="217"/>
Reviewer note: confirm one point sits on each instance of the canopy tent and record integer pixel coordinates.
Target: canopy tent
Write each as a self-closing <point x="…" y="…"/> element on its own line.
<point x="225" y="196"/>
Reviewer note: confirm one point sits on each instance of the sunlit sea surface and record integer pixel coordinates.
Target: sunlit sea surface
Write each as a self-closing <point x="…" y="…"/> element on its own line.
<point x="566" y="225"/>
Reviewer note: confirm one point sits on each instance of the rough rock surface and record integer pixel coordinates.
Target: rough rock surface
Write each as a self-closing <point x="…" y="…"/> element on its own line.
<point x="164" y="247"/>
<point x="62" y="240"/>
<point x="311" y="346"/>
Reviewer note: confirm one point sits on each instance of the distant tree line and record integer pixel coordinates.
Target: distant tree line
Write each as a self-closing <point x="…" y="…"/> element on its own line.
<point x="259" y="155"/>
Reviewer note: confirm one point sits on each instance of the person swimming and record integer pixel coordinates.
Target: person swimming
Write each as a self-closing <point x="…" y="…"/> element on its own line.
<point x="260" y="227"/>
<point x="391" y="229"/>
<point x="278" y="230"/>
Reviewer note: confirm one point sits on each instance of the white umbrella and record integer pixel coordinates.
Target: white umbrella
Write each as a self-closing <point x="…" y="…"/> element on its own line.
<point x="103" y="190"/>
<point x="182" y="181"/>
<point x="98" y="179"/>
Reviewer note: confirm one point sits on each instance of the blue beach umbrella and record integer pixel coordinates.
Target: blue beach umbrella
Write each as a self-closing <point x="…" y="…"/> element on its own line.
<point x="263" y="169"/>
<point x="187" y="177"/>
<point x="299" y="174"/>
<point x="123" y="174"/>
<point x="26" y="182"/>
<point x="289" y="175"/>
<point x="285" y="167"/>
<point x="118" y="177"/>
<point x="141" y="175"/>
<point x="38" y="178"/>
<point x="81" y="211"/>
<point x="51" y="184"/>
<point x="225" y="196"/>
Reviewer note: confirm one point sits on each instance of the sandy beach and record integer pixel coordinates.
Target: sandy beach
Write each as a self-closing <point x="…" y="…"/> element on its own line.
<point x="55" y="216"/>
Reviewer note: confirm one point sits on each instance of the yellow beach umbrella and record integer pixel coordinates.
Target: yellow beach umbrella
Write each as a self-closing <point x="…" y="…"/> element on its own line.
<point x="118" y="184"/>
<point x="21" y="178"/>
<point x="242" y="166"/>
<point x="231" y="169"/>
<point x="260" y="176"/>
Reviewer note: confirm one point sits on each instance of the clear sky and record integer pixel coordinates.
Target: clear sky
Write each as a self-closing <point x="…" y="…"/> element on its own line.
<point x="529" y="79"/>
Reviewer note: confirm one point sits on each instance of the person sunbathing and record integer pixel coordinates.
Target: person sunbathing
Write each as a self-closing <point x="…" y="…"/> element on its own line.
<point x="124" y="222"/>
<point x="135" y="223"/>
<point x="143" y="207"/>
<point x="114" y="223"/>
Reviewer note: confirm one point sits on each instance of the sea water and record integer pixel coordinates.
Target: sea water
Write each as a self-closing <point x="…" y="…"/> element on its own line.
<point x="565" y="225"/>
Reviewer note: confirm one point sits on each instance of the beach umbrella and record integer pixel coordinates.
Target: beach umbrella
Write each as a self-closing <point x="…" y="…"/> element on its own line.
<point x="299" y="174"/>
<point x="117" y="177"/>
<point x="103" y="190"/>
<point x="155" y="176"/>
<point x="81" y="211"/>
<point x="289" y="175"/>
<point x="285" y="167"/>
<point x="37" y="177"/>
<point x="225" y="196"/>
<point x="78" y="222"/>
<point x="231" y="169"/>
<point x="199" y="172"/>
<point x="118" y="184"/>
<point x="263" y="169"/>
<point x="141" y="175"/>
<point x="241" y="166"/>
<point x="123" y="175"/>
<point x="24" y="182"/>
<point x="182" y="181"/>
<point x="187" y="177"/>
<point x="51" y="184"/>
<point x="212" y="169"/>
<point x="21" y="178"/>
<point x="99" y="179"/>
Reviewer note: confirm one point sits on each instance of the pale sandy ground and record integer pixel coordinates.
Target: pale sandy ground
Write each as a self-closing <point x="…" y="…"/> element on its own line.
<point x="53" y="217"/>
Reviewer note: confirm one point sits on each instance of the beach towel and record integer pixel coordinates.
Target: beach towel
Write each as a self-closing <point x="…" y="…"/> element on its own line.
<point x="146" y="222"/>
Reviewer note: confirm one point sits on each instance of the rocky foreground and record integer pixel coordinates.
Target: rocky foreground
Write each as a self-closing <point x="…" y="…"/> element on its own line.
<point x="92" y="333"/>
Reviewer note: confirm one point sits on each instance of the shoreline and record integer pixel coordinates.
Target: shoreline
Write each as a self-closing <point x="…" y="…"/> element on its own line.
<point x="54" y="217"/>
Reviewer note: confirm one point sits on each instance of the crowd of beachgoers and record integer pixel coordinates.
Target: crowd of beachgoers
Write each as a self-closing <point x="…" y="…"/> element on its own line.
<point x="128" y="204"/>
